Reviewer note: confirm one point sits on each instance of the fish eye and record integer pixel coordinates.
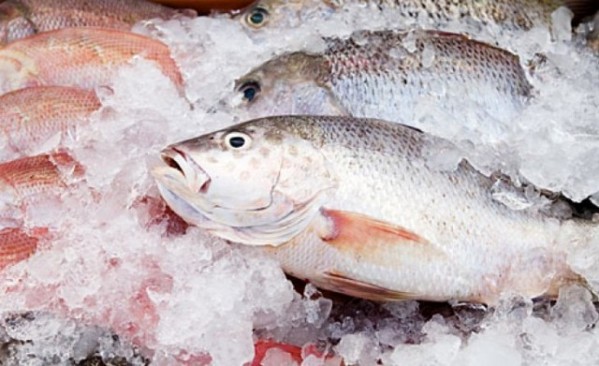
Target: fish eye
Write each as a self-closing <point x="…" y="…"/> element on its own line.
<point x="257" y="17"/>
<point x="238" y="140"/>
<point x="250" y="90"/>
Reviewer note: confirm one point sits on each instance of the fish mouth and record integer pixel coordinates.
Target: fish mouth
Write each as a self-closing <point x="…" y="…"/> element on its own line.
<point x="197" y="178"/>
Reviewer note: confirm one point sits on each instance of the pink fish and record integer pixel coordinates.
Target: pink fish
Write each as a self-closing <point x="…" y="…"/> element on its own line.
<point x="79" y="57"/>
<point x="31" y="116"/>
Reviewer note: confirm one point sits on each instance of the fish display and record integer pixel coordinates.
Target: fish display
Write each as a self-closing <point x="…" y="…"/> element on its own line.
<point x="392" y="75"/>
<point x="79" y="57"/>
<point x="353" y="206"/>
<point x="30" y="117"/>
<point x="23" y="18"/>
<point x="513" y="14"/>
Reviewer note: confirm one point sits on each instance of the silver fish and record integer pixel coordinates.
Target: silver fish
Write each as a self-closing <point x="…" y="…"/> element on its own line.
<point x="513" y="14"/>
<point x="396" y="76"/>
<point x="354" y="206"/>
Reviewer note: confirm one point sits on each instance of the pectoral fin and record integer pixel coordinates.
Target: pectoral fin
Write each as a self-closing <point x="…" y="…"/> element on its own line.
<point x="364" y="290"/>
<point x="367" y="239"/>
<point x="345" y="227"/>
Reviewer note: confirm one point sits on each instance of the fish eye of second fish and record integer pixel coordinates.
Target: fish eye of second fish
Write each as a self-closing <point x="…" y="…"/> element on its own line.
<point x="250" y="90"/>
<point x="257" y="16"/>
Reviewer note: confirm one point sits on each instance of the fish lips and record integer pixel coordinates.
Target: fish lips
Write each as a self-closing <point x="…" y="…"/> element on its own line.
<point x="196" y="177"/>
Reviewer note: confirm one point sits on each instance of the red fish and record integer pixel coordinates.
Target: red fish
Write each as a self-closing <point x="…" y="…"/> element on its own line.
<point x="23" y="18"/>
<point x="79" y="57"/>
<point x="31" y="116"/>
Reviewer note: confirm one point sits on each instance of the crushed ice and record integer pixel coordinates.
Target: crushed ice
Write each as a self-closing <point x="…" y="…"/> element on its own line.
<point x="192" y="298"/>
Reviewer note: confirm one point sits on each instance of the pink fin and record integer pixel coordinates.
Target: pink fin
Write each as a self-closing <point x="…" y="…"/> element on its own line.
<point x="349" y="228"/>
<point x="364" y="290"/>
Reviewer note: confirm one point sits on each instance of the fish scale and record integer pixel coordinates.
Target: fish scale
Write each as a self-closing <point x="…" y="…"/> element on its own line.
<point x="79" y="57"/>
<point x="23" y="18"/>
<point x="31" y="116"/>
<point x="510" y="14"/>
<point x="386" y="224"/>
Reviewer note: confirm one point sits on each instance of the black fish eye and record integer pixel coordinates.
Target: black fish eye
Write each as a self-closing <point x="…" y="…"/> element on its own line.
<point x="237" y="140"/>
<point x="257" y="16"/>
<point x="250" y="89"/>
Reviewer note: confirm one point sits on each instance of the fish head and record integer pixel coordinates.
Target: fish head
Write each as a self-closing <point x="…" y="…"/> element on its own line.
<point x="278" y="14"/>
<point x="294" y="83"/>
<point x="256" y="183"/>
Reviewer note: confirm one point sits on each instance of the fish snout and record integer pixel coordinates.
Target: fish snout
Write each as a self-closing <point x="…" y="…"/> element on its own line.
<point x="196" y="177"/>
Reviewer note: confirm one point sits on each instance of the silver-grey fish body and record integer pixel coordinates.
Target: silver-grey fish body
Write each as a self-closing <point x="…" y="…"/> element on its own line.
<point x="396" y="76"/>
<point x="356" y="206"/>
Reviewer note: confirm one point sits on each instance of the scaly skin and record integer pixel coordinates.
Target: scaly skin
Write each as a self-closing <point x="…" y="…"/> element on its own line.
<point x="514" y="14"/>
<point x="23" y="18"/>
<point x="382" y="223"/>
<point x="393" y="76"/>
<point x="79" y="57"/>
<point x="31" y="116"/>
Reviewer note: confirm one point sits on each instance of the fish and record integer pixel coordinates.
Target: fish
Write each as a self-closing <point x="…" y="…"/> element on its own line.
<point x="23" y="180"/>
<point x="24" y="18"/>
<point x="79" y="57"/>
<point x="30" y="117"/>
<point x="391" y="75"/>
<point x="355" y="207"/>
<point x="23" y="183"/>
<point x="511" y="14"/>
<point x="17" y="245"/>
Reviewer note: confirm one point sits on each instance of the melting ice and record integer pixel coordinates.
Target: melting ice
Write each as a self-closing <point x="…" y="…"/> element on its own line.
<point x="192" y="299"/>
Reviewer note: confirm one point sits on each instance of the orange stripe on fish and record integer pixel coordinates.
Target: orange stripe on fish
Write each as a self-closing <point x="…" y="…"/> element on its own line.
<point x="79" y="57"/>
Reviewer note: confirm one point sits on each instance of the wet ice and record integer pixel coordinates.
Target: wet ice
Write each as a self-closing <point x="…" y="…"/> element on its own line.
<point x="193" y="297"/>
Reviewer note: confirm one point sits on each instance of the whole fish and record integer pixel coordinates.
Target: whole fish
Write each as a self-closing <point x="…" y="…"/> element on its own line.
<point x="513" y="14"/>
<point x="394" y="76"/>
<point x="79" y="57"/>
<point x="29" y="117"/>
<point x="354" y="206"/>
<point x="23" y="18"/>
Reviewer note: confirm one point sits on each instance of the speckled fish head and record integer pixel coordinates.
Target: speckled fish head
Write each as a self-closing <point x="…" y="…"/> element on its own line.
<point x="294" y="83"/>
<point x="249" y="183"/>
<point x="270" y="14"/>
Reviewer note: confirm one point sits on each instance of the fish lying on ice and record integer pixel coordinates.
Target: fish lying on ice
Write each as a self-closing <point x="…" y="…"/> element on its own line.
<point x="79" y="57"/>
<point x="392" y="75"/>
<point x="23" y="18"/>
<point x="353" y="206"/>
<point x="30" y="117"/>
<point x="512" y="14"/>
<point x="23" y="182"/>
